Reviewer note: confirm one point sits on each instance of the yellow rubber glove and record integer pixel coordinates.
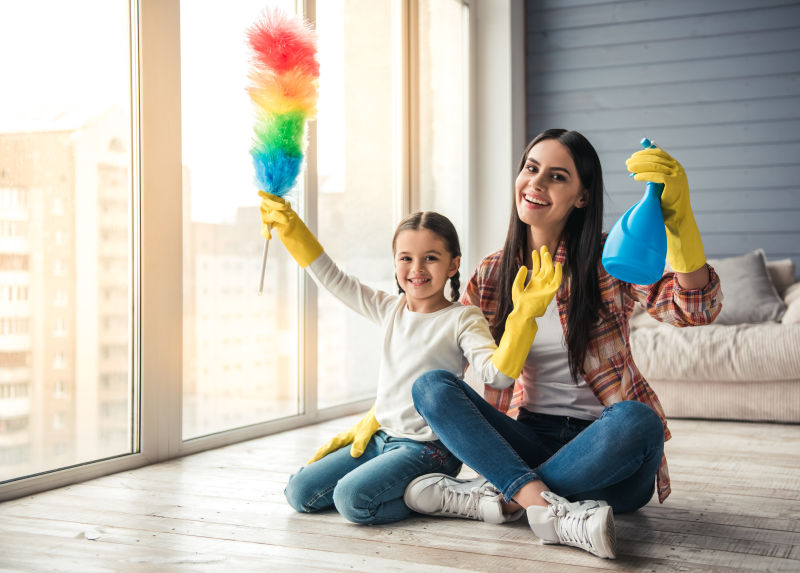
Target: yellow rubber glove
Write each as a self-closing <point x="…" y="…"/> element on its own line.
<point x="277" y="214"/>
<point x="358" y="435"/>
<point x="530" y="302"/>
<point x="684" y="244"/>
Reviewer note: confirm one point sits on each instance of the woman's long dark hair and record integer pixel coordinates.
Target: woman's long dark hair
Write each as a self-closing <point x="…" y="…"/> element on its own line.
<point x="583" y="234"/>
<point x="441" y="226"/>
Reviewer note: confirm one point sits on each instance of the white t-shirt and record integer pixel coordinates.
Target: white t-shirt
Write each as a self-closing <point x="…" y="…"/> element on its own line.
<point x="547" y="386"/>
<point x="413" y="343"/>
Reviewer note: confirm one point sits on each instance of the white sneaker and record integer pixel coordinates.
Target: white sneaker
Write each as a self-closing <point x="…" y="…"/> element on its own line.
<point x="442" y="495"/>
<point x="586" y="524"/>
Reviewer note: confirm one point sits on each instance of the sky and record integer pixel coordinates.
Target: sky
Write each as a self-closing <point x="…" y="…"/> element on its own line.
<point x="217" y="114"/>
<point x="71" y="58"/>
<point x="55" y="55"/>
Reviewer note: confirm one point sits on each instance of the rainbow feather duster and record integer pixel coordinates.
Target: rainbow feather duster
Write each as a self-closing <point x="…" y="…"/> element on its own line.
<point x="284" y="81"/>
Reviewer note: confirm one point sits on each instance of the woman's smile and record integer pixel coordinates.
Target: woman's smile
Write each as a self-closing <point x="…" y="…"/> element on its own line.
<point x="534" y="201"/>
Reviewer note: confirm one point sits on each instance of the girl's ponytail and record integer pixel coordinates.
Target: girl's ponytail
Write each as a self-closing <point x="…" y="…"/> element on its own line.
<point x="455" y="286"/>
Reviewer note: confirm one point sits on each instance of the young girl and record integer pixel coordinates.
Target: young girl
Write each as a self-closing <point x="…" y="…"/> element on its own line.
<point x="423" y="330"/>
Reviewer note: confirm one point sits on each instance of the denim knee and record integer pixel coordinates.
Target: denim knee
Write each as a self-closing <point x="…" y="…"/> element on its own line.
<point x="640" y="419"/>
<point x="430" y="388"/>
<point x="302" y="494"/>
<point x="352" y="504"/>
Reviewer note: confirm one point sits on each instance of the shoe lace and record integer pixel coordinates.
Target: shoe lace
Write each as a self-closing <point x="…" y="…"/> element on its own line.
<point x="571" y="526"/>
<point x="460" y="502"/>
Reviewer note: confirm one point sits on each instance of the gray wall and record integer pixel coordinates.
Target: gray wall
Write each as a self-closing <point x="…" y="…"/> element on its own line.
<point x="716" y="83"/>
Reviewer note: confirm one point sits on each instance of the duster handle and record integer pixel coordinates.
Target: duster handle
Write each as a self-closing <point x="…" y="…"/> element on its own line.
<point x="263" y="267"/>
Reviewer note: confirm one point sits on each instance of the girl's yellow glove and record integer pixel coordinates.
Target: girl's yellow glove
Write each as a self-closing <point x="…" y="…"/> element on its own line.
<point x="684" y="244"/>
<point x="530" y="302"/>
<point x="278" y="215"/>
<point x="358" y="435"/>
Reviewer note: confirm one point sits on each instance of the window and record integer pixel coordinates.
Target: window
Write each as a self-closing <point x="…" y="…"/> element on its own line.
<point x="60" y="297"/>
<point x="60" y="360"/>
<point x="9" y="391"/>
<point x="443" y="119"/>
<point x="356" y="183"/>
<point x="60" y="391"/>
<point x="151" y="269"/>
<point x="13" y="198"/>
<point x="52" y="143"/>
<point x="59" y="329"/>
<point x="57" y="206"/>
<point x="10" y="326"/>
<point x="371" y="170"/>
<point x="240" y="352"/>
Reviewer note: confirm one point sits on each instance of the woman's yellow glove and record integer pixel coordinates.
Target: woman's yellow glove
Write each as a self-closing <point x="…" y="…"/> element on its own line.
<point x="530" y="302"/>
<point x="359" y="435"/>
<point x="684" y="244"/>
<point x="277" y="214"/>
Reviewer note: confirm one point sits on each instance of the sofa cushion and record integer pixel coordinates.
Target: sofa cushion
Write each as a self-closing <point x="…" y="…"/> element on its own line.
<point x="740" y="353"/>
<point x="750" y="296"/>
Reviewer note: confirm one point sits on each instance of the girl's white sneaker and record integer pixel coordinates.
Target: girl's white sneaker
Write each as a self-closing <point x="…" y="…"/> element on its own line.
<point x="442" y="495"/>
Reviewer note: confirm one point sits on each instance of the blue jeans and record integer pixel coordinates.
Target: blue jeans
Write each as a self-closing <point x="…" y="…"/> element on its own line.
<point x="368" y="489"/>
<point x="614" y="458"/>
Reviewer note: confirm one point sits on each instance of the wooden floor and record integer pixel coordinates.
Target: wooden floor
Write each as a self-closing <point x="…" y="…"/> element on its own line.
<point x="735" y="507"/>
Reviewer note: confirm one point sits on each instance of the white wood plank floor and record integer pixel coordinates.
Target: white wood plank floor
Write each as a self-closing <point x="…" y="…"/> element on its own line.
<point x="735" y="507"/>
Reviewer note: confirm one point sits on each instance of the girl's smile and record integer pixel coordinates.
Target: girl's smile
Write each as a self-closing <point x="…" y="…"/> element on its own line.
<point x="418" y="281"/>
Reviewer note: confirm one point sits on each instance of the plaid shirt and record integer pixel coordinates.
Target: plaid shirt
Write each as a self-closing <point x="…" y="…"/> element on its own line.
<point x="608" y="368"/>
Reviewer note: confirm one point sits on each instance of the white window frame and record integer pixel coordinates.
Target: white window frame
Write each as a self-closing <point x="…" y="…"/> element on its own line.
<point x="496" y="121"/>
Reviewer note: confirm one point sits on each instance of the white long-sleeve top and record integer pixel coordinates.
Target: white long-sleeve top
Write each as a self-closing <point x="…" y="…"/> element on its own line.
<point x="413" y="343"/>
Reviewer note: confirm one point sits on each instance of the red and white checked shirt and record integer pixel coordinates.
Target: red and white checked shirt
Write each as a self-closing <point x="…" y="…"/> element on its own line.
<point x="608" y="367"/>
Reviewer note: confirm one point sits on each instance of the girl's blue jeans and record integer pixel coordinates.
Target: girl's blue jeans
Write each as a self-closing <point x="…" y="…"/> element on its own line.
<point x="368" y="489"/>
<point x="614" y="458"/>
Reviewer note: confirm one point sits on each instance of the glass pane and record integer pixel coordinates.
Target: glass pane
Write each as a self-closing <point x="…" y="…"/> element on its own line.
<point x="65" y="265"/>
<point x="443" y="110"/>
<point x="240" y="350"/>
<point x="354" y="131"/>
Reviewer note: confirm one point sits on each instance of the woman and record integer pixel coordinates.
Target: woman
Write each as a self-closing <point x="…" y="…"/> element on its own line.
<point x="589" y="429"/>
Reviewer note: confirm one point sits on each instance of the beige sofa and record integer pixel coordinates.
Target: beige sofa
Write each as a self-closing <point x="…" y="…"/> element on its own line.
<point x="744" y="366"/>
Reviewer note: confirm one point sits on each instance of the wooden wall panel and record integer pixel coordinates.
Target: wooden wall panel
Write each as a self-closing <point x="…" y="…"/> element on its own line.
<point x="714" y="82"/>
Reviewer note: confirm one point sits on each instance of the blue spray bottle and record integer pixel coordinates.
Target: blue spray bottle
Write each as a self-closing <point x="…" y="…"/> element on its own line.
<point x="636" y="246"/>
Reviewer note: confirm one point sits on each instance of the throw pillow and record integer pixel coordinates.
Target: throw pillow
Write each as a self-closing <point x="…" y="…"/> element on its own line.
<point x="782" y="274"/>
<point x="792" y="294"/>
<point x="749" y="293"/>
<point x="792" y="300"/>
